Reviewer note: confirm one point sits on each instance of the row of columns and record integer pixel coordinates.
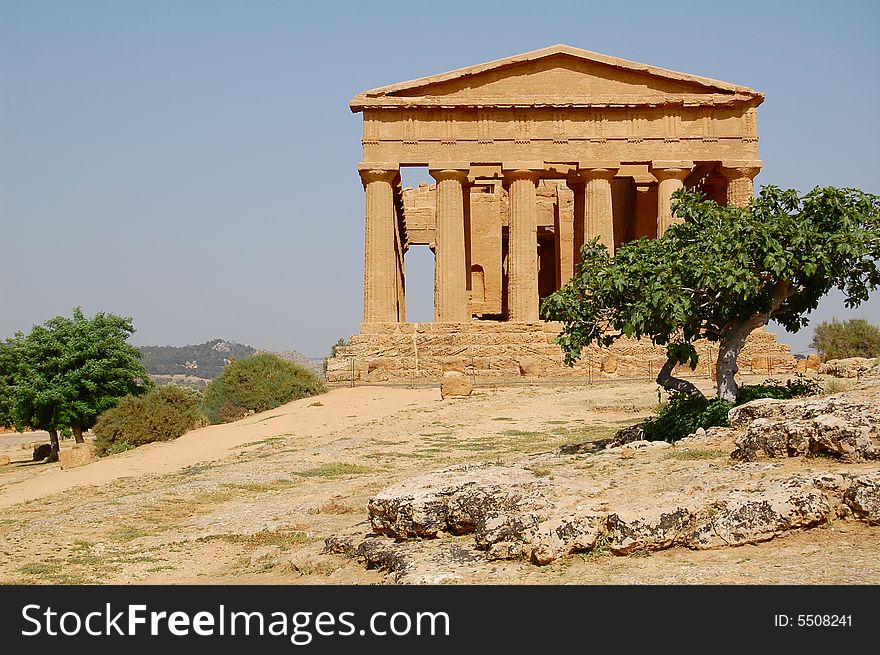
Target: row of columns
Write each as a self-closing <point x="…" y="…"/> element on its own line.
<point x="593" y="217"/>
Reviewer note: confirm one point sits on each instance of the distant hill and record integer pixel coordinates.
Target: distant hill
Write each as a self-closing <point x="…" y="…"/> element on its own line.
<point x="206" y="360"/>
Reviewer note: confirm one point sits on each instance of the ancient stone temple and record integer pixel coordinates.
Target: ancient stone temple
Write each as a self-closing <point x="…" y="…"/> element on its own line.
<point x="532" y="156"/>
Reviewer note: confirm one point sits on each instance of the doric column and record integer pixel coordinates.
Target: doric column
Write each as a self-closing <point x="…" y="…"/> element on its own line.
<point x="380" y="258"/>
<point x="670" y="175"/>
<point x="563" y="225"/>
<point x="598" y="214"/>
<point x="740" y="184"/>
<point x="522" y="248"/>
<point x="450" y="270"/>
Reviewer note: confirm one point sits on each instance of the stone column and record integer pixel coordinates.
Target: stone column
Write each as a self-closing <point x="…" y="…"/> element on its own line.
<point x="670" y="175"/>
<point x="380" y="258"/>
<point x="563" y="224"/>
<point x="522" y="248"/>
<point x="598" y="214"/>
<point x="450" y="269"/>
<point x="740" y="184"/>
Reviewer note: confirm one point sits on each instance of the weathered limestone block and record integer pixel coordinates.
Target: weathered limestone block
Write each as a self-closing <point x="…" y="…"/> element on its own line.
<point x="740" y="519"/>
<point x="76" y="455"/>
<point x="741" y="415"/>
<point x="648" y="530"/>
<point x="530" y="366"/>
<point x="554" y="537"/>
<point x="610" y="364"/>
<point x="379" y="364"/>
<point x="454" y="364"/>
<point x="845" y="429"/>
<point x="4" y="460"/>
<point x="863" y="497"/>
<point x="455" y="384"/>
<point x="454" y="500"/>
<point x="483" y="363"/>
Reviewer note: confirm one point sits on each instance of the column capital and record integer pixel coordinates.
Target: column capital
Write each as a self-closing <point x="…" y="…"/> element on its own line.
<point x="671" y="169"/>
<point x="378" y="171"/>
<point x="450" y="171"/>
<point x="735" y="169"/>
<point x="522" y="170"/>
<point x="597" y="170"/>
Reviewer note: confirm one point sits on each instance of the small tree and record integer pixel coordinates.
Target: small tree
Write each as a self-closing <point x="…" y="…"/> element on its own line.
<point x="853" y="338"/>
<point x="67" y="371"/>
<point x="722" y="273"/>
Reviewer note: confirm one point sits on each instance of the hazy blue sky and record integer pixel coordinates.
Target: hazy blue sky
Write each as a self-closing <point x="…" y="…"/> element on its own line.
<point x="192" y="163"/>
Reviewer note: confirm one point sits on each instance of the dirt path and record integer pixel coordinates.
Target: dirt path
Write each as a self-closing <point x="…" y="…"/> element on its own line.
<point x="253" y="501"/>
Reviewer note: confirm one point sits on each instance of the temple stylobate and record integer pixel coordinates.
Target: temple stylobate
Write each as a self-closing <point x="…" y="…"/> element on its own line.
<point x="532" y="156"/>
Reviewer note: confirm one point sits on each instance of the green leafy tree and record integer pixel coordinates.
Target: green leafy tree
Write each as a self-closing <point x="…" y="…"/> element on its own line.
<point x="720" y="274"/>
<point x="7" y="369"/>
<point x="69" y="370"/>
<point x="853" y="338"/>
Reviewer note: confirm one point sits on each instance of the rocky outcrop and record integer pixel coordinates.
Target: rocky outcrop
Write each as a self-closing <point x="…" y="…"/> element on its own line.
<point x="863" y="498"/>
<point x="851" y="367"/>
<point x="514" y="515"/>
<point x="636" y="496"/>
<point x="839" y="426"/>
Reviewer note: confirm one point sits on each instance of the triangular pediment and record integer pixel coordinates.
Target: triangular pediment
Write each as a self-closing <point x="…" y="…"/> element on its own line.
<point x="556" y="76"/>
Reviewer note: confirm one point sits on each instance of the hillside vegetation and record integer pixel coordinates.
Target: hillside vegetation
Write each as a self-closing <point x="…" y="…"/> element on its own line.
<point x="206" y="360"/>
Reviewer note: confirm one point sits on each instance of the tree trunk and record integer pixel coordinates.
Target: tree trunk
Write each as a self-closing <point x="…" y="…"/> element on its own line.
<point x="729" y="348"/>
<point x="666" y="380"/>
<point x="77" y="434"/>
<point x="53" y="440"/>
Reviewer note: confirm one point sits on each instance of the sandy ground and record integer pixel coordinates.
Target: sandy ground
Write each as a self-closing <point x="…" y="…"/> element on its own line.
<point x="253" y="501"/>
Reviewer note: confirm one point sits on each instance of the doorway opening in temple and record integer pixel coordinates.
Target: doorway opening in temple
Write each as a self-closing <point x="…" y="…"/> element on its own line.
<point x="419" y="267"/>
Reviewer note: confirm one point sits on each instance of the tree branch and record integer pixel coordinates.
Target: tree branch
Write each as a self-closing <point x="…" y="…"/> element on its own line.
<point x="666" y="380"/>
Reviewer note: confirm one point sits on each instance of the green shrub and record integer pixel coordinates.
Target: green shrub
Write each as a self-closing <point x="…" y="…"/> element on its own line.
<point x="162" y="414"/>
<point x="684" y="413"/>
<point x="255" y="384"/>
<point x="797" y="388"/>
<point x="853" y="338"/>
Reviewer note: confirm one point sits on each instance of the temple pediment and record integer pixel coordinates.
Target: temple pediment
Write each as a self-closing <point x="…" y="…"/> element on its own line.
<point x="557" y="76"/>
